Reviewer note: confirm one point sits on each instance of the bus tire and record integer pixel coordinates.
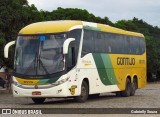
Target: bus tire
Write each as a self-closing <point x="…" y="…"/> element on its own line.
<point x="38" y="100"/>
<point x="127" y="91"/>
<point x="84" y="93"/>
<point x="133" y="87"/>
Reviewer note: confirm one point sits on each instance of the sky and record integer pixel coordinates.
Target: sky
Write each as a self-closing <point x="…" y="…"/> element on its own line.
<point x="148" y="10"/>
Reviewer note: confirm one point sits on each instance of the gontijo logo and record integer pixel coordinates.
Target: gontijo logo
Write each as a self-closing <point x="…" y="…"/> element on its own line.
<point x="125" y="61"/>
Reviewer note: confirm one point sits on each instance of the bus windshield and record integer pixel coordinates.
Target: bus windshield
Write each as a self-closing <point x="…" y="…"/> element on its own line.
<point x="39" y="55"/>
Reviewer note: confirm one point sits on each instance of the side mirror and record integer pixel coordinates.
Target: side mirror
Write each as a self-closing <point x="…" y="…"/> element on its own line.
<point x="66" y="44"/>
<point x="6" y="48"/>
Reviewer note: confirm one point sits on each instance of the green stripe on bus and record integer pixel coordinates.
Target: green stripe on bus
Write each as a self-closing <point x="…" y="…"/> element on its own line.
<point x="105" y="69"/>
<point x="44" y="81"/>
<point x="109" y="68"/>
<point x="53" y="80"/>
<point x="48" y="81"/>
<point x="101" y="69"/>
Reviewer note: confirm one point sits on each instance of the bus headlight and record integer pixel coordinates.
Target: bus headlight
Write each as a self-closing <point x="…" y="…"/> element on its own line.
<point x="15" y="83"/>
<point x="60" y="82"/>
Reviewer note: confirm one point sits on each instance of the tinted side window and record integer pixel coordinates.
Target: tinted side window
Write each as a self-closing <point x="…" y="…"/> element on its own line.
<point x="99" y="40"/>
<point x="77" y="35"/>
<point x="71" y="58"/>
<point x="107" y="43"/>
<point x="142" y="45"/>
<point x="120" y="45"/>
<point x="126" y="44"/>
<point x="137" y="45"/>
<point x="134" y="45"/>
<point x="88" y="43"/>
<point x="113" y="45"/>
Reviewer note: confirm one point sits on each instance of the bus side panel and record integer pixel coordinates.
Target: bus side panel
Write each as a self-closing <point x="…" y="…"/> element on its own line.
<point x="101" y="78"/>
<point x="129" y="66"/>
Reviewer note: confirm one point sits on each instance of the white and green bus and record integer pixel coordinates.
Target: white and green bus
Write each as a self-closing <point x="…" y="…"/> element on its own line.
<point x="77" y="59"/>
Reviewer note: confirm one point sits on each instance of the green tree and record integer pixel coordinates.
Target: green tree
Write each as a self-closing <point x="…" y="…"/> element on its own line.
<point x="15" y="14"/>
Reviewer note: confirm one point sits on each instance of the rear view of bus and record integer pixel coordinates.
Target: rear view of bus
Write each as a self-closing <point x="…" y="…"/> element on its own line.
<point x="61" y="59"/>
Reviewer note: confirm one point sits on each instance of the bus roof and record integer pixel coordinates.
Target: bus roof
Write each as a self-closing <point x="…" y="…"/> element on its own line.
<point x="66" y="25"/>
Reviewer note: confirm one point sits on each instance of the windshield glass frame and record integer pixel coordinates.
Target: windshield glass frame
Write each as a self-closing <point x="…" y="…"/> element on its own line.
<point x="39" y="51"/>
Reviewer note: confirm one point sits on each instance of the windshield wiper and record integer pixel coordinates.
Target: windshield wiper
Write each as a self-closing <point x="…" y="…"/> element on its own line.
<point x="37" y="62"/>
<point x="34" y="61"/>
<point x="47" y="73"/>
<point x="28" y="69"/>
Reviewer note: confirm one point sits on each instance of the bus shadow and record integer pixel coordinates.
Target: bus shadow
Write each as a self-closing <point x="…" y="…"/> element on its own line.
<point x="62" y="101"/>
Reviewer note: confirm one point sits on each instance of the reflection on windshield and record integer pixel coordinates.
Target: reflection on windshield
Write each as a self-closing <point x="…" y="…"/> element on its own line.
<point x="39" y="55"/>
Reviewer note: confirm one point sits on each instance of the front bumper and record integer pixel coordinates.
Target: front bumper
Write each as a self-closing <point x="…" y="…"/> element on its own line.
<point x="56" y="91"/>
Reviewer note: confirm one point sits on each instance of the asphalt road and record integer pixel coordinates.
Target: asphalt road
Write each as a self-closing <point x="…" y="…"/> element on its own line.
<point x="148" y="97"/>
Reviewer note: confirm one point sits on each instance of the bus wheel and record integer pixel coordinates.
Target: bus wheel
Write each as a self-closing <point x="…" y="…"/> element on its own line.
<point x="38" y="100"/>
<point x="84" y="93"/>
<point x="127" y="91"/>
<point x="133" y="87"/>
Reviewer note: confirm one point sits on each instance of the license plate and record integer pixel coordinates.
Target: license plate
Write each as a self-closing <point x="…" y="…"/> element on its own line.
<point x="36" y="93"/>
